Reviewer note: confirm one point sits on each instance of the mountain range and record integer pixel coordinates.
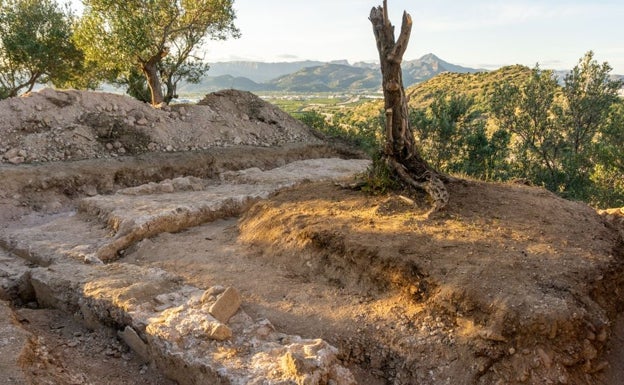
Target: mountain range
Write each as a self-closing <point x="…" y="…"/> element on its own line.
<point x="315" y="76"/>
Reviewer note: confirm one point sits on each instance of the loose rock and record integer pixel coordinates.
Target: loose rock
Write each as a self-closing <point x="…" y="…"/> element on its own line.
<point x="132" y="339"/>
<point x="227" y="305"/>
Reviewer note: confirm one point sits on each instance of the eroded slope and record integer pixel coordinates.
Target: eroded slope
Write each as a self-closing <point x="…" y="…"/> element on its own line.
<point x="519" y="285"/>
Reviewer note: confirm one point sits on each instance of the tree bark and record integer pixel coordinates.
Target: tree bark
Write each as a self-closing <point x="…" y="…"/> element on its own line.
<point x="171" y="90"/>
<point x="150" y="70"/>
<point x="401" y="153"/>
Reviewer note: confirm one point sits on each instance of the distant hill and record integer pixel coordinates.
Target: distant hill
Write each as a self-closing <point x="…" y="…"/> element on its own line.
<point x="314" y="76"/>
<point x="259" y="72"/>
<point x="214" y="83"/>
<point x="362" y="76"/>
<point x="479" y="85"/>
<point x="428" y="66"/>
<point x="340" y="76"/>
<point x="329" y="77"/>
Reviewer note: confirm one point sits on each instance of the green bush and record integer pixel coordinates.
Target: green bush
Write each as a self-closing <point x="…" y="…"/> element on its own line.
<point x="363" y="134"/>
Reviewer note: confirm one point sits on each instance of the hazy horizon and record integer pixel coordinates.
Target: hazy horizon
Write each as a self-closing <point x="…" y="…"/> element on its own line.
<point x="480" y="34"/>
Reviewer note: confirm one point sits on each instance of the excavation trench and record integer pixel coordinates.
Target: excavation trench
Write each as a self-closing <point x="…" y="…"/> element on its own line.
<point x="525" y="288"/>
<point x="177" y="327"/>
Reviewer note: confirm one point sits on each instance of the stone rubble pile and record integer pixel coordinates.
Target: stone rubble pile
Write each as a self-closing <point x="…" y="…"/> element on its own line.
<point x="52" y="125"/>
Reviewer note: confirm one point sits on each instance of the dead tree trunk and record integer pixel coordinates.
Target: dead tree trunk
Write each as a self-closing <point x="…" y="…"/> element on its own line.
<point x="400" y="152"/>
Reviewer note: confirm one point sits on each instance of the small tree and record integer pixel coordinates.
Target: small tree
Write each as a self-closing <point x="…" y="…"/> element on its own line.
<point x="174" y="69"/>
<point x="35" y="45"/>
<point x="157" y="37"/>
<point x="589" y="94"/>
<point x="563" y="136"/>
<point x="440" y="128"/>
<point x="400" y="153"/>
<point x="453" y="136"/>
<point x="529" y="111"/>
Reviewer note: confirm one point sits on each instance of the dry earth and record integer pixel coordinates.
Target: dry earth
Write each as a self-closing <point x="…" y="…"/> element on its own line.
<point x="123" y="225"/>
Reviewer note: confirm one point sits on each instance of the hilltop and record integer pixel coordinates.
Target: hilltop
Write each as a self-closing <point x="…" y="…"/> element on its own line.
<point x="478" y="85"/>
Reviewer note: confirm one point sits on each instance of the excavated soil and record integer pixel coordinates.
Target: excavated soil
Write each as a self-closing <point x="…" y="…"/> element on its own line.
<point x="508" y="285"/>
<point x="64" y="351"/>
<point x="524" y="289"/>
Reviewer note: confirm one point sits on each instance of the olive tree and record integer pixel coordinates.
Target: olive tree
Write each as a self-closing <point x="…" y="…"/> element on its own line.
<point x="35" y="45"/>
<point x="564" y="136"/>
<point x="156" y="37"/>
<point x="531" y="113"/>
<point x="589" y="92"/>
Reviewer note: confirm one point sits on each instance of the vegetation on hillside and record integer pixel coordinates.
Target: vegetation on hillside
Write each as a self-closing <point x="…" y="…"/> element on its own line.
<point x="515" y="123"/>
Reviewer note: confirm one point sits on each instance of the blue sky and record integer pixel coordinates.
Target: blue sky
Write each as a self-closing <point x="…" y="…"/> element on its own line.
<point x="480" y="34"/>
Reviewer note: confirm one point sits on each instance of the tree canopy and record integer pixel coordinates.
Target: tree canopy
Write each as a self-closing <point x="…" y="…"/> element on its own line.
<point x="156" y="37"/>
<point x="36" y="45"/>
<point x="560" y="131"/>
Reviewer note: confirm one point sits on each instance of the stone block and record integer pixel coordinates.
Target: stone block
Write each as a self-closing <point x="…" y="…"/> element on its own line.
<point x="227" y="305"/>
<point x="132" y="339"/>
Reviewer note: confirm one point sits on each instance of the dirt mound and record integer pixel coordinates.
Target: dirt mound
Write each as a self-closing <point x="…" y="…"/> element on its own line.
<point x="52" y="125"/>
<point x="510" y="284"/>
<point x="248" y="109"/>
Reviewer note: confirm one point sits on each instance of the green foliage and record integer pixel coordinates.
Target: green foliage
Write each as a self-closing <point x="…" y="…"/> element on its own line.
<point x="174" y="69"/>
<point x="157" y="37"/>
<point x="378" y="179"/>
<point x="607" y="176"/>
<point x="365" y="134"/>
<point x="136" y="85"/>
<point x="36" y="46"/>
<point x="558" y="132"/>
<point x="528" y="111"/>
<point x="315" y="120"/>
<point x="452" y="136"/>
<point x="485" y="156"/>
<point x="511" y="123"/>
<point x="440" y="127"/>
<point x="589" y="94"/>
